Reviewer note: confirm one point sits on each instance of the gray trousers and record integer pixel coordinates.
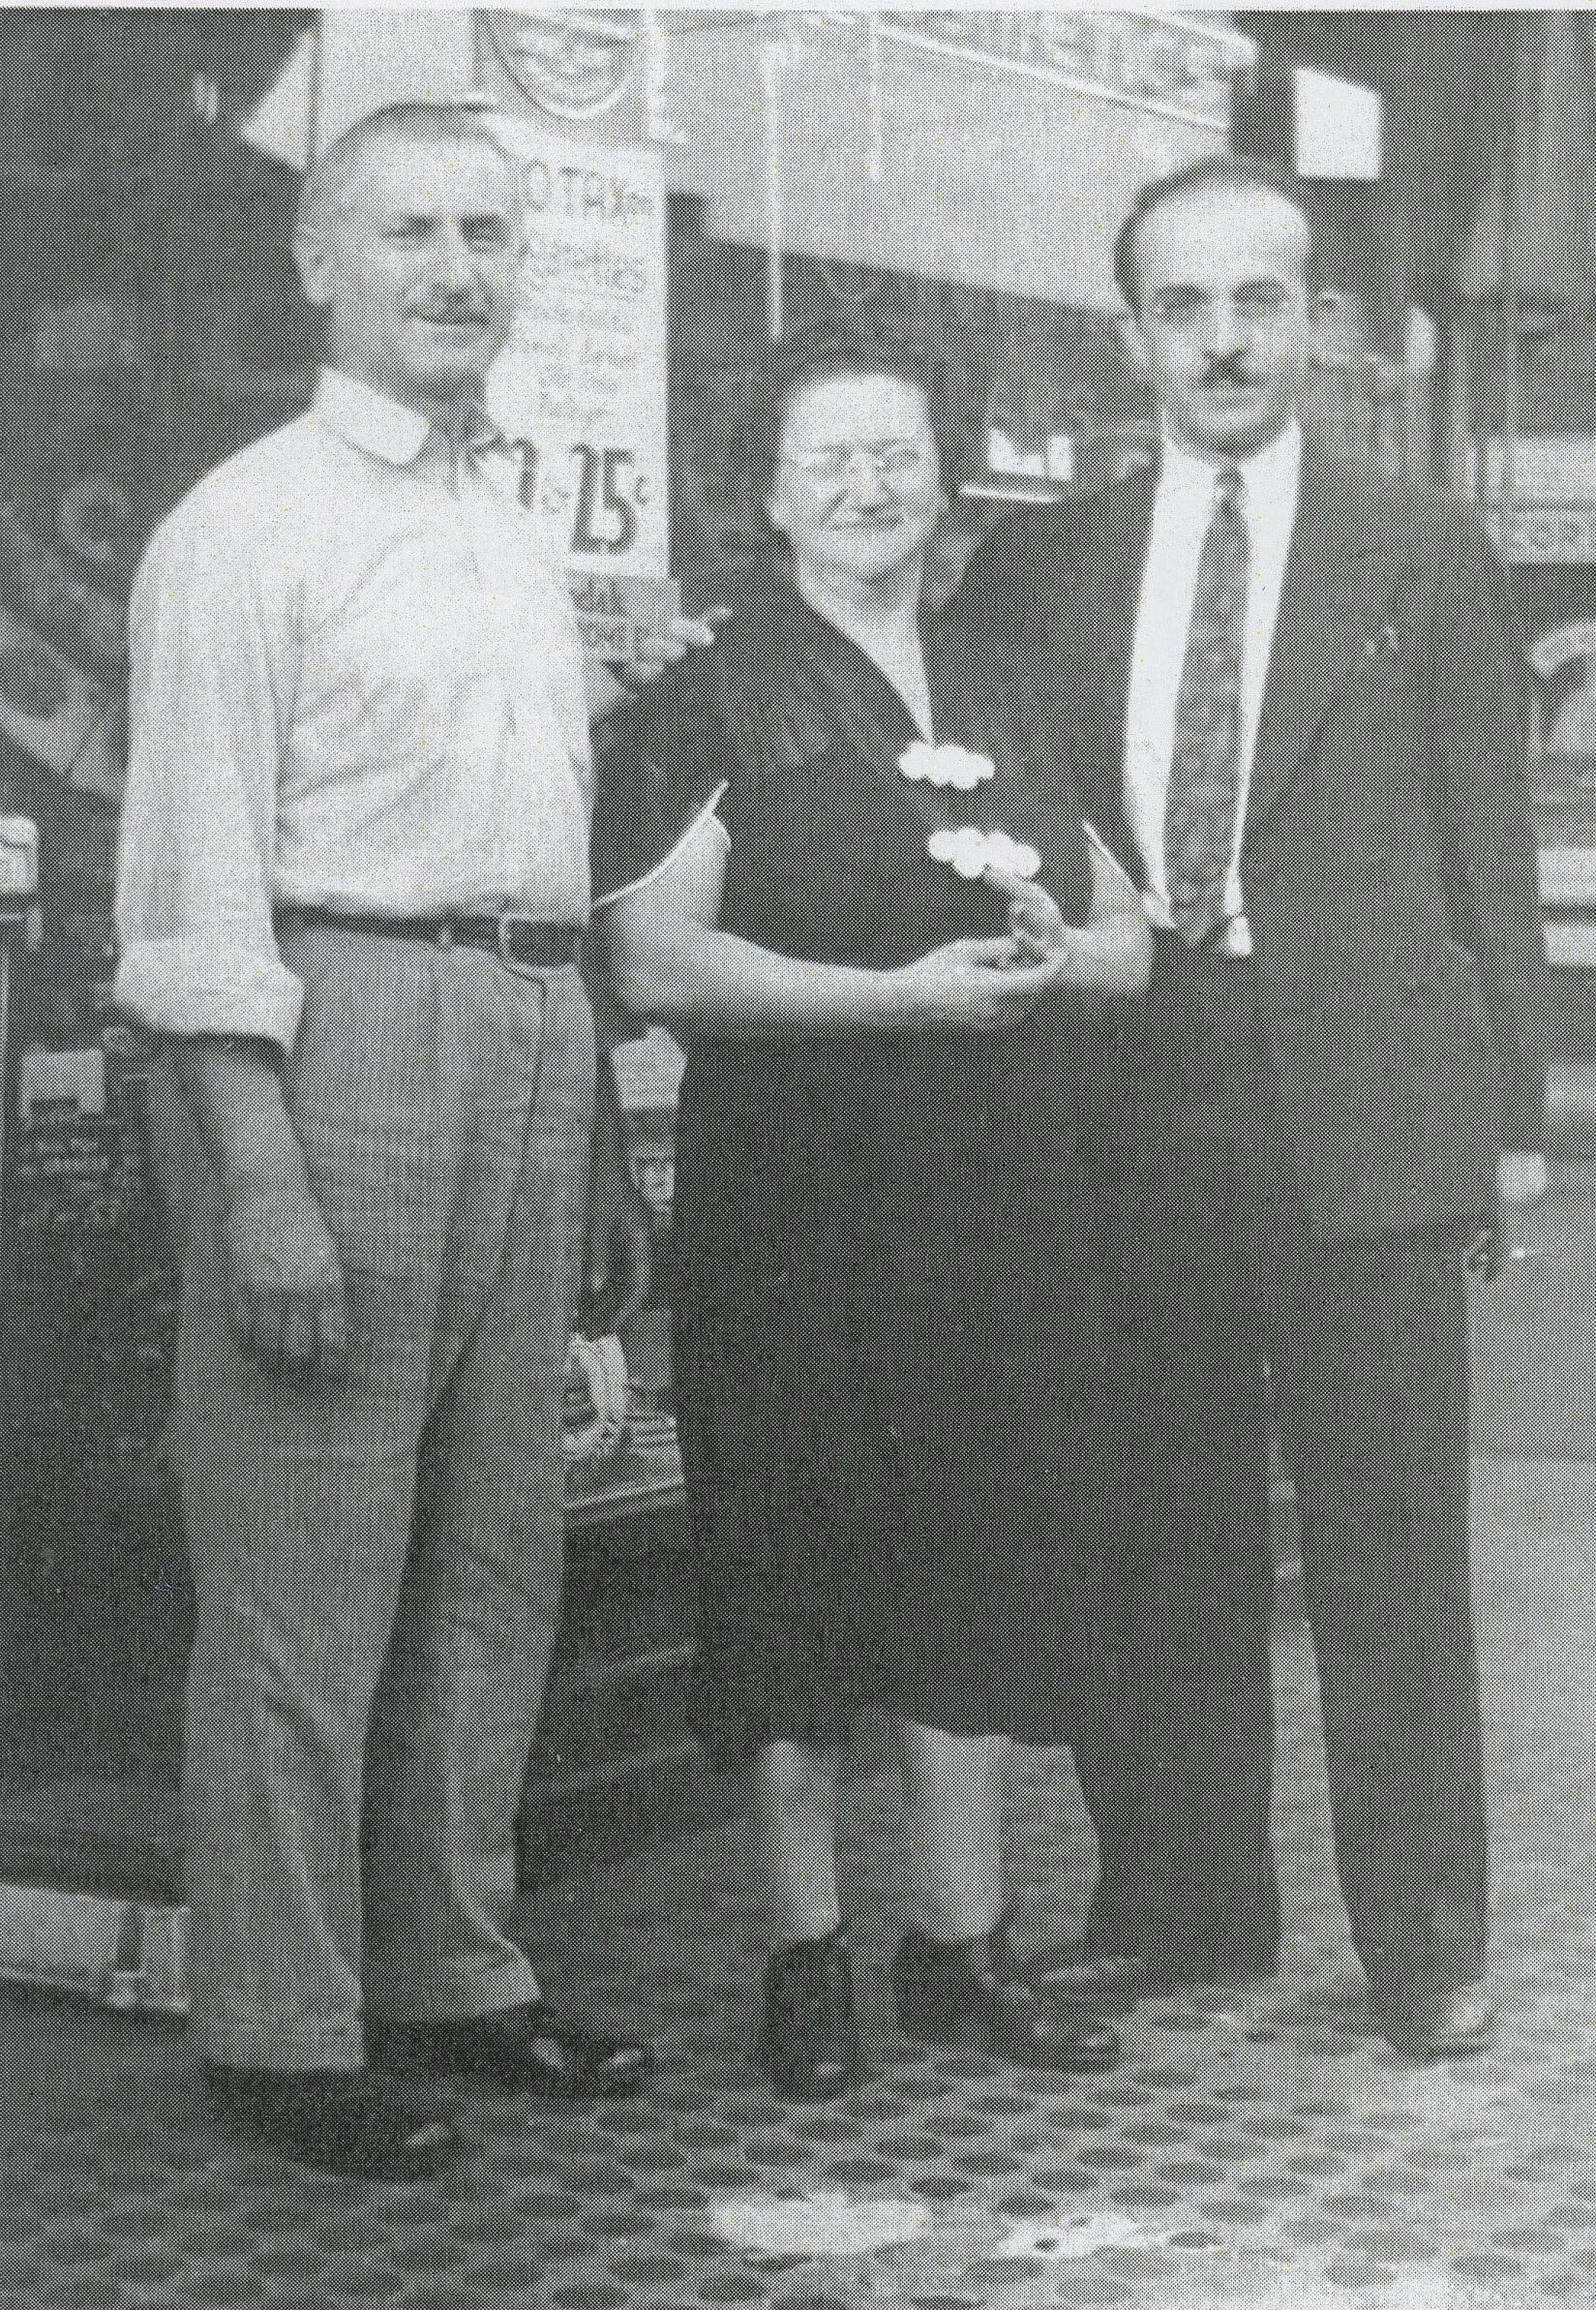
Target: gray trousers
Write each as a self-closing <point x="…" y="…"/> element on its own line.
<point x="378" y="1563"/>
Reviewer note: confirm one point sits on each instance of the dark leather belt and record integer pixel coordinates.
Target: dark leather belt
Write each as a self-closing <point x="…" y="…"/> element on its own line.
<point x="513" y="937"/>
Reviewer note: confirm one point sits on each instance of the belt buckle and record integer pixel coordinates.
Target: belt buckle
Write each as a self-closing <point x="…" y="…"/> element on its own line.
<point x="505" y="926"/>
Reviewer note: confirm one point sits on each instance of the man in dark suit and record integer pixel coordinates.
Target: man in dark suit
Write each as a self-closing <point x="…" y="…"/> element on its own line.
<point x="1298" y="692"/>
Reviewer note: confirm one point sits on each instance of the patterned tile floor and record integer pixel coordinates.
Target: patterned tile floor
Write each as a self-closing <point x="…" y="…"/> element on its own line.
<point x="1262" y="2148"/>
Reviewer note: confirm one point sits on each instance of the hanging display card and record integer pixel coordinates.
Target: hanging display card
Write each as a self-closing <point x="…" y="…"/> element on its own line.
<point x="581" y="384"/>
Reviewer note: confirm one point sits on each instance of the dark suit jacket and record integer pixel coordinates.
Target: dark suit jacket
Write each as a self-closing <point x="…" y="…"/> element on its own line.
<point x="1388" y="859"/>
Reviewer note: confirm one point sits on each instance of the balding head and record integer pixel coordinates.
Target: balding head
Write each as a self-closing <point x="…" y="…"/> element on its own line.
<point x="331" y="175"/>
<point x="1255" y="183"/>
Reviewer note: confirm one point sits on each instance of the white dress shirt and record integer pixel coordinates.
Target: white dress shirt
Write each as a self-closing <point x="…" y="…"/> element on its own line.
<point x="357" y="684"/>
<point x="1181" y="511"/>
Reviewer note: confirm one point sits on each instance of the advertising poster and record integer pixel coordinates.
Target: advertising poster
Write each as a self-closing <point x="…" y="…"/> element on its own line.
<point x="582" y="381"/>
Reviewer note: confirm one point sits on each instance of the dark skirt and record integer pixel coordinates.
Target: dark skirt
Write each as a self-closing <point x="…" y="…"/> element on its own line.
<point x="889" y="1379"/>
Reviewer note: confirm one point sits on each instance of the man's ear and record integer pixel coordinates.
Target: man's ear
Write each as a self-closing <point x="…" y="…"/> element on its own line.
<point x="313" y="261"/>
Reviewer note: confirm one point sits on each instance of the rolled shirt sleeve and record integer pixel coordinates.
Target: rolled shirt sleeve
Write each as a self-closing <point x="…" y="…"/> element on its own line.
<point x="210" y="683"/>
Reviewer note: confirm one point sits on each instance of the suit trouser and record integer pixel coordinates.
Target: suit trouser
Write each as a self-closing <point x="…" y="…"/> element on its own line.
<point x="378" y="1563"/>
<point x="1360" y="1349"/>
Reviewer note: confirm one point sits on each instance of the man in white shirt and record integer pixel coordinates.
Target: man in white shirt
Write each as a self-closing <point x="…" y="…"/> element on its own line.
<point x="1301" y="692"/>
<point x="352" y="885"/>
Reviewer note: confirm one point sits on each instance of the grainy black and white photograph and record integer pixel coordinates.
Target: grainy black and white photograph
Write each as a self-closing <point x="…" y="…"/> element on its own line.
<point x="797" y="1158"/>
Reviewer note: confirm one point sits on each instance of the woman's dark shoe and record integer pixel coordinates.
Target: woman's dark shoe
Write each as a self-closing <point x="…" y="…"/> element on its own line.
<point x="348" y="2122"/>
<point x="955" y="1992"/>
<point x="810" y="2039"/>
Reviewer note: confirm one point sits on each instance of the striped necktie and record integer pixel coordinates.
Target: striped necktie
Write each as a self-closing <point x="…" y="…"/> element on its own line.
<point x="1199" y="823"/>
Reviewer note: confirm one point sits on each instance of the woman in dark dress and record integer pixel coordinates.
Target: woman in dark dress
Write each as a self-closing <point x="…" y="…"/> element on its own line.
<point x="844" y="861"/>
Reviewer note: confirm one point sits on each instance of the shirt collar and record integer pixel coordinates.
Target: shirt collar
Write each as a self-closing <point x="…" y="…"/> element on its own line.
<point x="384" y="428"/>
<point x="1268" y="476"/>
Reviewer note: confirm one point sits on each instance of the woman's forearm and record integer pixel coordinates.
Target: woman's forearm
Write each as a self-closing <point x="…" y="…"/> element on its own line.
<point x="703" y="981"/>
<point x="710" y="981"/>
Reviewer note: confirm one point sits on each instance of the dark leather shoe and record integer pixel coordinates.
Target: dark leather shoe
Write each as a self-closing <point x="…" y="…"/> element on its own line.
<point x="955" y="1992"/>
<point x="1074" y="1974"/>
<point x="1437" y="2024"/>
<point x="809" y="2042"/>
<point x="525" y="2049"/>
<point x="346" y="2120"/>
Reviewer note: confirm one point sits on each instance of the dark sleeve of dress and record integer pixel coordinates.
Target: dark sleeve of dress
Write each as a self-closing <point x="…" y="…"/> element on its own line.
<point x="659" y="761"/>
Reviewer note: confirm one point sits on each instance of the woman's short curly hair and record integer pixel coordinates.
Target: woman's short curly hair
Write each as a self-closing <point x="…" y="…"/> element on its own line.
<point x="796" y="362"/>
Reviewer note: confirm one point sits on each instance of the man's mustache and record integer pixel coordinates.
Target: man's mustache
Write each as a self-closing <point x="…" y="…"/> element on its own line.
<point x="1230" y="369"/>
<point x="445" y="309"/>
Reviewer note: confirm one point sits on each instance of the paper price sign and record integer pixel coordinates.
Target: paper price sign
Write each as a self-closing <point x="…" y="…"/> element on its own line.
<point x="581" y="382"/>
<point x="598" y="506"/>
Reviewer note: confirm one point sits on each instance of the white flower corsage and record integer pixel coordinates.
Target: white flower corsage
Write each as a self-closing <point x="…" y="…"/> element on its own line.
<point x="945" y="765"/>
<point x="971" y="849"/>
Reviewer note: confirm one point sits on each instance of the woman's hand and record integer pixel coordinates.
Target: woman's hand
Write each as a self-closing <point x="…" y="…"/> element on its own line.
<point x="1110" y="954"/>
<point x="972" y="983"/>
<point x="1036" y="925"/>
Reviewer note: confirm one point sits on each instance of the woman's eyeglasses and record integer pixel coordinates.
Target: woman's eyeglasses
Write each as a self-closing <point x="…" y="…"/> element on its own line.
<point x="837" y="463"/>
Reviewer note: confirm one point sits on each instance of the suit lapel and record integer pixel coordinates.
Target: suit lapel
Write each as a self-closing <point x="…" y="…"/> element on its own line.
<point x="1320" y="634"/>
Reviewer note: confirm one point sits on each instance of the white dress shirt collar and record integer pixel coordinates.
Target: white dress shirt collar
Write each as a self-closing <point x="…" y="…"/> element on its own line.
<point x="385" y="428"/>
<point x="1268" y="476"/>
